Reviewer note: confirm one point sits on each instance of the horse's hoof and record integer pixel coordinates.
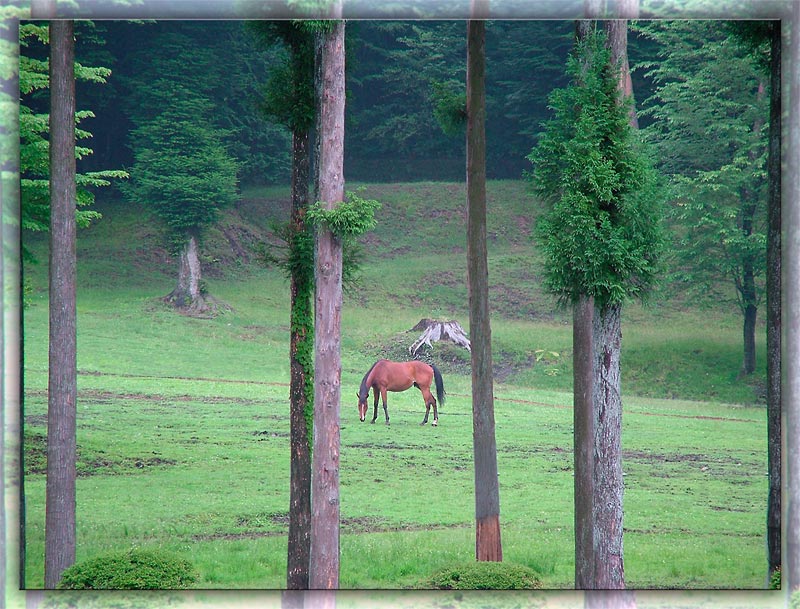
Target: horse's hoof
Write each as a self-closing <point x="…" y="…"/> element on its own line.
<point x="423" y="423"/>
<point x="435" y="423"/>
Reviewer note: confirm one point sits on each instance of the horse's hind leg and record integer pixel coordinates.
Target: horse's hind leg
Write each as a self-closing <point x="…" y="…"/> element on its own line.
<point x="385" y="410"/>
<point x="435" y="414"/>
<point x="426" y="395"/>
<point x="427" y="410"/>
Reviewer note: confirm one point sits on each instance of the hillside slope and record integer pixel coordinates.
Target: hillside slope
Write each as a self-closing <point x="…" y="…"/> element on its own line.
<point x="414" y="266"/>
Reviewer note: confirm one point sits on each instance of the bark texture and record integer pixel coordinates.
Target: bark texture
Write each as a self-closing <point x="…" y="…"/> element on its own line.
<point x="188" y="297"/>
<point x="583" y="424"/>
<point x="62" y="387"/>
<point x="609" y="572"/>
<point x="299" y="546"/>
<point x="774" y="308"/>
<point x="487" y="493"/>
<point x="324" y="561"/>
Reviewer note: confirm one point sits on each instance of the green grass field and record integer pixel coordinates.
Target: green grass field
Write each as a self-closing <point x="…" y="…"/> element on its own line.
<point x="183" y="423"/>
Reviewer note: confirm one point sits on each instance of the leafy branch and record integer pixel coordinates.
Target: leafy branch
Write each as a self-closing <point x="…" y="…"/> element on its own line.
<point x="351" y="218"/>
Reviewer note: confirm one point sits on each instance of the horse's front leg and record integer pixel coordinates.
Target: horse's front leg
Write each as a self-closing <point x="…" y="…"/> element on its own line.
<point x="375" y="407"/>
<point x="385" y="410"/>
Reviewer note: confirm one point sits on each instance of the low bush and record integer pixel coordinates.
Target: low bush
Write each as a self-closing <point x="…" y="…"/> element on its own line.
<point x="484" y="576"/>
<point x="134" y="569"/>
<point x="775" y="580"/>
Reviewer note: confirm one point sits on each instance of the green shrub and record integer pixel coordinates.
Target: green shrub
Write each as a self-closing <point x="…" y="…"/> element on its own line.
<point x="484" y="576"/>
<point x="775" y="580"/>
<point x="134" y="569"/>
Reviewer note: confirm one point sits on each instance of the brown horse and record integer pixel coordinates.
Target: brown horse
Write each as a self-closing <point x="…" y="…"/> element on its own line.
<point x="398" y="376"/>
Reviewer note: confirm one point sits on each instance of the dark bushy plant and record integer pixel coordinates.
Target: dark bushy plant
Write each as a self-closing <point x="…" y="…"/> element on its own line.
<point x="484" y="576"/>
<point x="134" y="569"/>
<point x="600" y="234"/>
<point x="775" y="580"/>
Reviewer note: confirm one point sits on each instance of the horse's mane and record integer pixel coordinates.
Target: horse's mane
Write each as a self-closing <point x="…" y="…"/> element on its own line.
<point x="363" y="391"/>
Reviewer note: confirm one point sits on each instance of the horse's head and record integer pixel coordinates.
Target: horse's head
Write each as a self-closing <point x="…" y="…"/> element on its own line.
<point x="362" y="406"/>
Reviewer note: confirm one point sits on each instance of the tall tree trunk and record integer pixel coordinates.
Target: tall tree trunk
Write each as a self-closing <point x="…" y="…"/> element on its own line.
<point x="300" y="343"/>
<point x="609" y="572"/>
<point x="12" y="408"/>
<point x="62" y="384"/>
<point x="597" y="338"/>
<point x="791" y="337"/>
<point x="487" y="494"/>
<point x="324" y="562"/>
<point x="774" y="308"/>
<point x="583" y="426"/>
<point x="583" y="394"/>
<point x="583" y="404"/>
<point x="747" y="288"/>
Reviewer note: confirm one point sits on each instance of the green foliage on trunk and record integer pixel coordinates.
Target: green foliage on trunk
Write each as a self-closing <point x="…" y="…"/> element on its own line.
<point x="601" y="234"/>
<point x="288" y="96"/>
<point x="349" y="219"/>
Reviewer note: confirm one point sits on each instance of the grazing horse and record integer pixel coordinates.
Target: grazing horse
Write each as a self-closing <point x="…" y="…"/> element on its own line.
<point x="398" y="376"/>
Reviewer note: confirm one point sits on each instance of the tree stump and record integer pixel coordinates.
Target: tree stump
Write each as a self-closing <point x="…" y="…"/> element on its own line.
<point x="434" y="330"/>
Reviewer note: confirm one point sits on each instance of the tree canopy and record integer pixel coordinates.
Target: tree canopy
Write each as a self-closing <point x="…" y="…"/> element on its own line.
<point x="601" y="234"/>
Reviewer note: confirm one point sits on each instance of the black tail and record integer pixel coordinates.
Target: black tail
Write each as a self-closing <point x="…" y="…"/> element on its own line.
<point x="437" y="376"/>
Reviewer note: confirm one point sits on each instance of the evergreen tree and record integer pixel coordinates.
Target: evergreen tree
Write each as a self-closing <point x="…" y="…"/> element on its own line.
<point x="600" y="233"/>
<point x="184" y="172"/>
<point x="601" y="241"/>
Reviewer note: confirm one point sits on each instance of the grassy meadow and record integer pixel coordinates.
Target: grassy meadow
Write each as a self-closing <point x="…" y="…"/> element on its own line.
<point x="183" y="431"/>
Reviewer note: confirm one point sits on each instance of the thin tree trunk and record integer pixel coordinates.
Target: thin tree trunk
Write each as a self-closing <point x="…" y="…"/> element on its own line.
<point x="11" y="406"/>
<point x="747" y="288"/>
<point x="487" y="494"/>
<point x="774" y="309"/>
<point x="790" y="572"/>
<point x="748" y="294"/>
<point x="583" y="404"/>
<point x="324" y="562"/>
<point x="300" y="340"/>
<point x="62" y="385"/>
<point x="584" y="454"/>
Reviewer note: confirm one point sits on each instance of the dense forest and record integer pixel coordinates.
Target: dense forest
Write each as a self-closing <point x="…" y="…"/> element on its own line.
<point x="397" y="75"/>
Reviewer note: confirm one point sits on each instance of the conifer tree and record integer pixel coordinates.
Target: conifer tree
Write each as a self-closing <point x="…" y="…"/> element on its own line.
<point x="184" y="172"/>
<point x="601" y="242"/>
